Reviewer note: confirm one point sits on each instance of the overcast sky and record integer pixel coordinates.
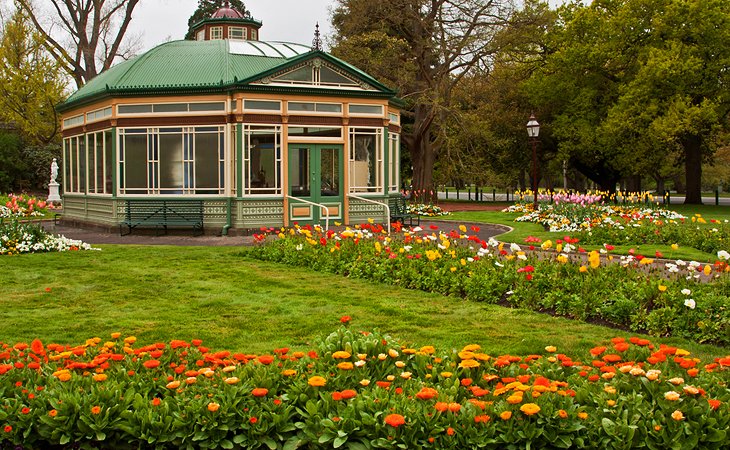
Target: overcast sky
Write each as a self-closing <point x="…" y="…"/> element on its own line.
<point x="157" y="21"/>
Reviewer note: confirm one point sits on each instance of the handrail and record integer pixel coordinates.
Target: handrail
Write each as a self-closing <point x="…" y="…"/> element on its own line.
<point x="387" y="207"/>
<point x="327" y="210"/>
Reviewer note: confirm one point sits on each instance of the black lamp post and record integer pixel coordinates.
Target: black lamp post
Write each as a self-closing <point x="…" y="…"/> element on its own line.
<point x="533" y="131"/>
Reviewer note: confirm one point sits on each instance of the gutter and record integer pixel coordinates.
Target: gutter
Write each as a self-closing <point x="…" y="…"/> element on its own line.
<point x="227" y="226"/>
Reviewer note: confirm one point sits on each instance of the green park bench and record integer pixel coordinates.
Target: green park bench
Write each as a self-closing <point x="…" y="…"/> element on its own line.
<point x="399" y="212"/>
<point x="162" y="214"/>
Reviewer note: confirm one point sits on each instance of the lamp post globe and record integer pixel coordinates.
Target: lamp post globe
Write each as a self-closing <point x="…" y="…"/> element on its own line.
<point x="533" y="131"/>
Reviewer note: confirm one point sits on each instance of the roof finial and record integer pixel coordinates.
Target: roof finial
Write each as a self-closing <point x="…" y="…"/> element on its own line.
<point x="317" y="42"/>
<point x="227" y="4"/>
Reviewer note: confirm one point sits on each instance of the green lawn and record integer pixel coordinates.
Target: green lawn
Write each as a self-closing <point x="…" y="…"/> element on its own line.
<point x="216" y="294"/>
<point x="521" y="230"/>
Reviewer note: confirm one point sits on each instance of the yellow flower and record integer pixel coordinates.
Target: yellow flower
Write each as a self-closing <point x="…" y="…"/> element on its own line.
<point x="514" y="399"/>
<point x="289" y="373"/>
<point x="317" y="381"/>
<point x="505" y="415"/>
<point x="707" y="270"/>
<point x="671" y="396"/>
<point x="677" y="415"/>
<point x="428" y="349"/>
<point x="469" y="364"/>
<point x="662" y="288"/>
<point x="546" y="245"/>
<point x="99" y="377"/>
<point x="231" y="380"/>
<point x="213" y="406"/>
<point x="446" y="374"/>
<point x="583" y="415"/>
<point x="341" y="355"/>
<point x="345" y="366"/>
<point x="551" y="349"/>
<point x="393" y="353"/>
<point x="675" y="247"/>
<point x="364" y="383"/>
<point x="462" y="228"/>
<point x="530" y="409"/>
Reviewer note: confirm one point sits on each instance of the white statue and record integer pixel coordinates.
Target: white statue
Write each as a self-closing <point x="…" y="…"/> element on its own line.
<point x="53" y="195"/>
<point x="54" y="171"/>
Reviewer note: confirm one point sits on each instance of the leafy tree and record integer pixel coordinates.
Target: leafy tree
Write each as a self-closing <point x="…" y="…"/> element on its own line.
<point x="84" y="36"/>
<point x="206" y="8"/>
<point x="11" y="161"/>
<point x="424" y="48"/>
<point x="638" y="84"/>
<point x="33" y="83"/>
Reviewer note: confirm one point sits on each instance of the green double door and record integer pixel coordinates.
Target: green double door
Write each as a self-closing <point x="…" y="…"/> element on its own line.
<point x="315" y="175"/>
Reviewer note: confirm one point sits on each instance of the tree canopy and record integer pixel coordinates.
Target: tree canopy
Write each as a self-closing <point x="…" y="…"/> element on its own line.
<point x="33" y="82"/>
<point x="424" y="49"/>
<point x="85" y="36"/>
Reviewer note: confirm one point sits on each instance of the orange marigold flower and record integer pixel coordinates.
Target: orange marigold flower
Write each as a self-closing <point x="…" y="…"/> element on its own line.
<point x="213" y="406"/>
<point x="481" y="418"/>
<point x="530" y="409"/>
<point x="266" y="359"/>
<point x="514" y="399"/>
<point x="289" y="373"/>
<point x="454" y="407"/>
<point x="156" y="401"/>
<point x="260" y="392"/>
<point x="95" y="410"/>
<point x="345" y="365"/>
<point x="395" y="420"/>
<point x="450" y="431"/>
<point x="317" y="381"/>
<point x="345" y="319"/>
<point x="348" y="394"/>
<point x="99" y="377"/>
<point x="8" y="429"/>
<point x="563" y="414"/>
<point x="441" y="406"/>
<point x="53" y="413"/>
<point x="341" y="355"/>
<point x="173" y="385"/>
<point x="677" y="415"/>
<point x="671" y="396"/>
<point x="25" y="410"/>
<point x="427" y="393"/>
<point x="714" y="404"/>
<point x="231" y="380"/>
<point x="151" y="363"/>
<point x="595" y="351"/>
<point x="505" y="415"/>
<point x="583" y="415"/>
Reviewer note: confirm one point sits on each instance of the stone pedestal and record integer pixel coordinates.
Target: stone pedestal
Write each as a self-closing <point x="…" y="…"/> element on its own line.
<point x="53" y="195"/>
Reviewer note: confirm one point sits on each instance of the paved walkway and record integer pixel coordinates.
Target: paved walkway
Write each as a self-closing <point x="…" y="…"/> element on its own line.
<point x="185" y="238"/>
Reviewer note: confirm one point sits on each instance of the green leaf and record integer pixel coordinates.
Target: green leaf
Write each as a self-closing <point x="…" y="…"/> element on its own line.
<point x="339" y="441"/>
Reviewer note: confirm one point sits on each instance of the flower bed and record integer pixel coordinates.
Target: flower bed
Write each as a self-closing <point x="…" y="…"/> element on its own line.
<point x="17" y="237"/>
<point x="359" y="390"/>
<point x="21" y="206"/>
<point x="426" y="210"/>
<point x="560" y="280"/>
<point x="593" y="221"/>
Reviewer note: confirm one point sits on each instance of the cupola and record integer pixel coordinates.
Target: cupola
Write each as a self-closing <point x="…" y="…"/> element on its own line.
<point x="227" y="23"/>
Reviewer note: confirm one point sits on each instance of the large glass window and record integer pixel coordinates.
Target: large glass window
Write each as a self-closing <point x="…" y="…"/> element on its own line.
<point x="216" y="32"/>
<point x="366" y="160"/>
<point x="74" y="154"/>
<point x="168" y="161"/>
<point x="393" y="162"/>
<point x="100" y="162"/>
<point x="262" y="160"/>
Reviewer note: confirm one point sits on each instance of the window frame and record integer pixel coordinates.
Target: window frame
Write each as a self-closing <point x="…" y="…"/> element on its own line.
<point x="247" y="175"/>
<point x="216" y="33"/>
<point x="379" y="188"/>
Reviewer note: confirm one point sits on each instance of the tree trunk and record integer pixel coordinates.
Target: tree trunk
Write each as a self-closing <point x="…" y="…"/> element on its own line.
<point x="693" y="169"/>
<point x="422" y="157"/>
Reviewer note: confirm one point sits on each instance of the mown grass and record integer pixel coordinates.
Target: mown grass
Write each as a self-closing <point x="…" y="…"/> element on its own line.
<point x="216" y="294"/>
<point x="521" y="230"/>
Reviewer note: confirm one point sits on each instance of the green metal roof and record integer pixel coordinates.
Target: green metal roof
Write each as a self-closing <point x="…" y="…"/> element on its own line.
<point x="204" y="67"/>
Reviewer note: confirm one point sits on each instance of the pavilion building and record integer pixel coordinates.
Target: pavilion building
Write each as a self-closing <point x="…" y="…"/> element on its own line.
<point x="265" y="133"/>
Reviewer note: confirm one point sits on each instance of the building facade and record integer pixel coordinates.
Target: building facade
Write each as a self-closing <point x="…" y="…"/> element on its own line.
<point x="266" y="133"/>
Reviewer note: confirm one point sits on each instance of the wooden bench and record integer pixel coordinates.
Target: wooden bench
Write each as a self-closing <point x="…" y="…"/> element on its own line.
<point x="163" y="213"/>
<point x="399" y="212"/>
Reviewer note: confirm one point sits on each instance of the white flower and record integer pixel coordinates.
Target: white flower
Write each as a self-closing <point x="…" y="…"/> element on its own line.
<point x="407" y="248"/>
<point x="417" y="229"/>
<point x="522" y="257"/>
<point x="498" y="264"/>
<point x="689" y="303"/>
<point x="722" y="255"/>
<point x="686" y="291"/>
<point x="299" y="247"/>
<point x="514" y="247"/>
